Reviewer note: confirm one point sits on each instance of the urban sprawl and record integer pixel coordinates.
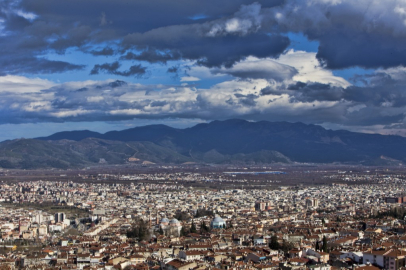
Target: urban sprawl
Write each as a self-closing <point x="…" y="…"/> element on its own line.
<point x="357" y="223"/>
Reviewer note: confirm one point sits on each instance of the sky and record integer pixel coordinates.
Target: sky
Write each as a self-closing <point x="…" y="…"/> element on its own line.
<point x="110" y="65"/>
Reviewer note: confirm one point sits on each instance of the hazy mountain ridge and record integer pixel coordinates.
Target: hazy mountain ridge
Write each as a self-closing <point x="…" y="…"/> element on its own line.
<point x="63" y="154"/>
<point x="230" y="141"/>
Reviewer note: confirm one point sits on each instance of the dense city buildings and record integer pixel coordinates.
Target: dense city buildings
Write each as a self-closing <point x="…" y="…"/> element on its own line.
<point x="354" y="221"/>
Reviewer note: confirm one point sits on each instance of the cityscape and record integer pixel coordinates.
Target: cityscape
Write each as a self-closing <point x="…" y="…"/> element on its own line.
<point x="203" y="135"/>
<point x="151" y="218"/>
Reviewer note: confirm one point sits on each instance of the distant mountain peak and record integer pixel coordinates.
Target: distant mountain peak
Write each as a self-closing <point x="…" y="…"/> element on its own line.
<point x="237" y="140"/>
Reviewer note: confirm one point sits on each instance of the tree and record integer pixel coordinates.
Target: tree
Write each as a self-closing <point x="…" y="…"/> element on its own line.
<point x="133" y="233"/>
<point x="274" y="244"/>
<point x="183" y="231"/>
<point x="204" y="228"/>
<point x="140" y="231"/>
<point x="324" y="246"/>
<point x="182" y="216"/>
<point x="193" y="227"/>
<point x="203" y="212"/>
<point x="286" y="246"/>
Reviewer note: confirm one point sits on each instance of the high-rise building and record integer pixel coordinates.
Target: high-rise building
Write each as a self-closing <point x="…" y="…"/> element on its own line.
<point x="262" y="206"/>
<point x="312" y="202"/>
<point x="60" y="217"/>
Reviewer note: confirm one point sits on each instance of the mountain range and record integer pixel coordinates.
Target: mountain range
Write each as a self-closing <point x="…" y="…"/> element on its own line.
<point x="230" y="141"/>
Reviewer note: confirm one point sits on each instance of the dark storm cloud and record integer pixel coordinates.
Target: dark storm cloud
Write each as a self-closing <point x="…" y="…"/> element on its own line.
<point x="341" y="49"/>
<point x="378" y="95"/>
<point x="112" y="68"/>
<point x="123" y="17"/>
<point x="117" y="83"/>
<point x="43" y="26"/>
<point x="316" y="92"/>
<point x="224" y="50"/>
<point x="173" y="69"/>
<point x="27" y="64"/>
<point x="270" y="91"/>
<point x="362" y="33"/>
<point x="380" y="101"/>
<point x="23" y="42"/>
<point x="158" y="103"/>
<point x="214" y="43"/>
<point x="350" y="33"/>
<point x="370" y="116"/>
<point x="247" y="100"/>
<point x="107" y="51"/>
<point x="152" y="56"/>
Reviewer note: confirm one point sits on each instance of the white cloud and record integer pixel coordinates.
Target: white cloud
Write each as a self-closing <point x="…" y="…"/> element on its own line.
<point x="233" y="98"/>
<point x="248" y="98"/>
<point x="256" y="68"/>
<point x="396" y="73"/>
<point x="247" y="20"/>
<point x="26" y="15"/>
<point x="70" y="113"/>
<point x="309" y="68"/>
<point x="291" y="66"/>
<point x="189" y="79"/>
<point x="22" y="84"/>
<point x="95" y="99"/>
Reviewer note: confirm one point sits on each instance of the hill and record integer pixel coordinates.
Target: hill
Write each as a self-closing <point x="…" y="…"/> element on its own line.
<point x="230" y="141"/>
<point x="297" y="141"/>
<point x="63" y="154"/>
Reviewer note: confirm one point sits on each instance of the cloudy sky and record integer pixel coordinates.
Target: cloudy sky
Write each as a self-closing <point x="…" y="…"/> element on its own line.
<point x="114" y="64"/>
